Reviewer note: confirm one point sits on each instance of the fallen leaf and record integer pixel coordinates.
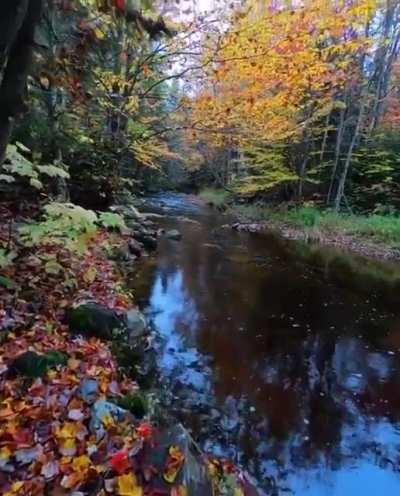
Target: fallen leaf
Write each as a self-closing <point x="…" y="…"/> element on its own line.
<point x="120" y="462"/>
<point x="174" y="463"/>
<point x="127" y="486"/>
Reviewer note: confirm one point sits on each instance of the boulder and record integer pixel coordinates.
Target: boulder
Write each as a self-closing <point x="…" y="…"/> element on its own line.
<point x="148" y="241"/>
<point x="127" y="211"/>
<point x="135" y="247"/>
<point x="92" y="319"/>
<point x="33" y="365"/>
<point x="136" y="403"/>
<point x="173" y="234"/>
<point x="135" y="323"/>
<point x="123" y="253"/>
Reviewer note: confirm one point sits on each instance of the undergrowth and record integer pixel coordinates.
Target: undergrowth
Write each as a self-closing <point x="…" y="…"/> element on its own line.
<point x="381" y="228"/>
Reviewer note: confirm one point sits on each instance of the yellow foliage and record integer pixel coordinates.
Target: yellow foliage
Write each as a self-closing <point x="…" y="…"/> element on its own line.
<point x="274" y="71"/>
<point x="127" y="486"/>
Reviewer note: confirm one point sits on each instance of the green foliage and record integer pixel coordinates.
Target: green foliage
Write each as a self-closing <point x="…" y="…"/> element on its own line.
<point x="16" y="165"/>
<point x="67" y="224"/>
<point x="33" y="365"/>
<point x="6" y="257"/>
<point x="136" y="403"/>
<point x="216" y="197"/>
<point x="380" y="228"/>
<point x="266" y="169"/>
<point x="111" y="220"/>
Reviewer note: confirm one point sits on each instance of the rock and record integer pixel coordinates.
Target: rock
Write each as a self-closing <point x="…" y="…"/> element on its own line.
<point x="128" y="211"/>
<point x="122" y="253"/>
<point x="153" y="216"/>
<point x="147" y="240"/>
<point x="102" y="410"/>
<point x="194" y="473"/>
<point x="133" y="225"/>
<point x="136" y="323"/>
<point x="173" y="234"/>
<point x="136" y="403"/>
<point x="33" y="365"/>
<point x="187" y="220"/>
<point x="92" y="319"/>
<point x="150" y="243"/>
<point x="135" y="247"/>
<point x="89" y="390"/>
<point x="148" y="223"/>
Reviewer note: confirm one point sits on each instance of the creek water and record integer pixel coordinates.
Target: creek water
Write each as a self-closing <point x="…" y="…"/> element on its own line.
<point x="282" y="357"/>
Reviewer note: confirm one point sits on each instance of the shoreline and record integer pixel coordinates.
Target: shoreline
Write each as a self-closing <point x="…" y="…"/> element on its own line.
<point x="339" y="240"/>
<point x="77" y="356"/>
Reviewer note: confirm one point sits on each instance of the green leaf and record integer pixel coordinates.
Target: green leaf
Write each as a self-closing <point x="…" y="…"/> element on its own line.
<point x="22" y="147"/>
<point x="109" y="219"/>
<point x="53" y="267"/>
<point x="6" y="257"/>
<point x="5" y="282"/>
<point x="35" y="183"/>
<point x="7" y="178"/>
<point x="53" y="171"/>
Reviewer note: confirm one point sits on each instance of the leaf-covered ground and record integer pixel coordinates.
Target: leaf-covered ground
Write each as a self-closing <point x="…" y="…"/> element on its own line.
<point x="58" y="434"/>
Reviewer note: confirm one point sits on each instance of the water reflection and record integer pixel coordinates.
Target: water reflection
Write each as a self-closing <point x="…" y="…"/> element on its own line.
<point x="292" y="372"/>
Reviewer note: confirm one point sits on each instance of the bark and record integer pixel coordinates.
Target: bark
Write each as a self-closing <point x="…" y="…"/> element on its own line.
<point x="338" y="148"/>
<point x="12" y="15"/>
<point x="17" y="53"/>
<point x="345" y="172"/>
<point x="325" y="138"/>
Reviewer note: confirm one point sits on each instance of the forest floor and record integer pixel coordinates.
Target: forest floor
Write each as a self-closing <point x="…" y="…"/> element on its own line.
<point x="66" y="426"/>
<point x="374" y="236"/>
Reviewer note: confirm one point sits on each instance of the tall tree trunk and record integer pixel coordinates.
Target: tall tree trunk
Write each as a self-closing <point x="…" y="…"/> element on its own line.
<point x="346" y="168"/>
<point x="325" y="138"/>
<point x="17" y="55"/>
<point x="338" y="148"/>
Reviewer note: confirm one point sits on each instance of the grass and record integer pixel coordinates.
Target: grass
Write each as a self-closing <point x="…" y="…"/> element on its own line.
<point x="380" y="228"/>
<point x="219" y="198"/>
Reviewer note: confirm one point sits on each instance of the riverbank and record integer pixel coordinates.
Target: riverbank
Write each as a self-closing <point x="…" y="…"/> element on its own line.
<point x="75" y="416"/>
<point x="374" y="236"/>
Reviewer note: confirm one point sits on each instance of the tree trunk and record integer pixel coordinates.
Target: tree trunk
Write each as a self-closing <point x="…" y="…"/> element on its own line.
<point x="343" y="177"/>
<point x="338" y="147"/>
<point x="16" y="54"/>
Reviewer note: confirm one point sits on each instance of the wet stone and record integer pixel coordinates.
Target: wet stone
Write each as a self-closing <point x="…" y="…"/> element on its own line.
<point x="173" y="234"/>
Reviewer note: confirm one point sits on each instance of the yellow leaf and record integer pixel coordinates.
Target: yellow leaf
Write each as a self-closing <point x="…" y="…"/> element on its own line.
<point x="68" y="431"/>
<point x="127" y="486"/>
<point x="81" y="463"/>
<point x="15" y="488"/>
<point x="5" y="453"/>
<point x="99" y="34"/>
<point x="90" y="275"/>
<point x="174" y="463"/>
<point x="107" y="421"/>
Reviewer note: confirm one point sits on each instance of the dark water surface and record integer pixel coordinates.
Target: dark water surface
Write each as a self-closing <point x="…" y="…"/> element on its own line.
<point x="284" y="359"/>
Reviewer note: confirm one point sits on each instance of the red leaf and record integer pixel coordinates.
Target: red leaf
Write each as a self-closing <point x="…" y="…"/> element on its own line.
<point x="145" y="430"/>
<point x="120" y="5"/>
<point x="120" y="462"/>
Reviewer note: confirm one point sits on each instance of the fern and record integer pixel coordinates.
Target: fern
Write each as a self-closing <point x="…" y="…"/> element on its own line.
<point x="69" y="225"/>
<point x="112" y="220"/>
<point x="17" y="165"/>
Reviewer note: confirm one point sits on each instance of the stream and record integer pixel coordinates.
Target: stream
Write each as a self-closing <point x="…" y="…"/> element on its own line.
<point x="282" y="357"/>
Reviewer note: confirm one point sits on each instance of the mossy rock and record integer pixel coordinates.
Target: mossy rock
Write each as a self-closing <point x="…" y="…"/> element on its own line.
<point x="33" y="365"/>
<point x="136" y="403"/>
<point x="91" y="319"/>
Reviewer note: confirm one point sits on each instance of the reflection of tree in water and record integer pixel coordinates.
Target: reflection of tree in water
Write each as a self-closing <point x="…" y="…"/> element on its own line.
<point x="288" y="343"/>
